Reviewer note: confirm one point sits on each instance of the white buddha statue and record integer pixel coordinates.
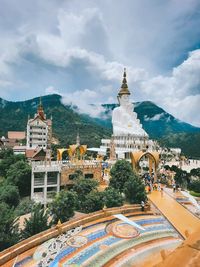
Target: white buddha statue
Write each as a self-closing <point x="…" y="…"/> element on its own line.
<point x="124" y="119"/>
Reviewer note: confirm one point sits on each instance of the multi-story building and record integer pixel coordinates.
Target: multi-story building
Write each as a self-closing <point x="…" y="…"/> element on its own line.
<point x="39" y="130"/>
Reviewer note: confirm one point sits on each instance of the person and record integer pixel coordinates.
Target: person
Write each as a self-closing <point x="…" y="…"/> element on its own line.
<point x="174" y="187"/>
<point x="142" y="205"/>
<point x="161" y="191"/>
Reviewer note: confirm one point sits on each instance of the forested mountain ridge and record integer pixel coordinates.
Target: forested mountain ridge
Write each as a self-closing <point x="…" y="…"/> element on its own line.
<point x="67" y="121"/>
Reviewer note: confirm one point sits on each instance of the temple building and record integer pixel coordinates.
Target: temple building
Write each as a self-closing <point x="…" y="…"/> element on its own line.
<point x="128" y="134"/>
<point x="39" y="130"/>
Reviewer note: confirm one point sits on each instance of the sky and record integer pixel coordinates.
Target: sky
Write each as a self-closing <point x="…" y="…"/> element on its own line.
<point x="79" y="48"/>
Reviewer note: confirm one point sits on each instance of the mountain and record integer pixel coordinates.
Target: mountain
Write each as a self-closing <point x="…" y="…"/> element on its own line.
<point x="67" y="121"/>
<point x="156" y="122"/>
<point x="188" y="142"/>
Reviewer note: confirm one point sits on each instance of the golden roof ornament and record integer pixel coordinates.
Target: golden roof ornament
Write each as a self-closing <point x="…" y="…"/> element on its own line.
<point x="124" y="87"/>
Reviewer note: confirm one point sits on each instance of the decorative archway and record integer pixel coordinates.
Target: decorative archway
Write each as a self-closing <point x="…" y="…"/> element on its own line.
<point x="60" y="152"/>
<point x="153" y="158"/>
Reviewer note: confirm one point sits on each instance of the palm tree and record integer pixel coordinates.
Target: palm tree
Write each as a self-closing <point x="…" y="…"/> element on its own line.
<point x="37" y="223"/>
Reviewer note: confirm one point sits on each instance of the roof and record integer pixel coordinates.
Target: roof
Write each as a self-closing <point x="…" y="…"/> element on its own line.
<point x="19" y="148"/>
<point x="124" y="87"/>
<point x="16" y="135"/>
<point x="31" y="152"/>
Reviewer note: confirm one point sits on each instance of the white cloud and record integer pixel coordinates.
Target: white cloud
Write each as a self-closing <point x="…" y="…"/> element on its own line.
<point x="179" y="93"/>
<point x="156" y="117"/>
<point x="91" y="36"/>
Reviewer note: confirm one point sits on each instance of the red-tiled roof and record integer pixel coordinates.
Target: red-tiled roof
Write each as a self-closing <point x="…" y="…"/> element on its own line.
<point x="16" y="135"/>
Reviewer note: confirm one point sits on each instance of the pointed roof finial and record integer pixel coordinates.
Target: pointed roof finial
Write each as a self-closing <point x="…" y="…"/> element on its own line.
<point x="40" y="110"/>
<point x="124" y="87"/>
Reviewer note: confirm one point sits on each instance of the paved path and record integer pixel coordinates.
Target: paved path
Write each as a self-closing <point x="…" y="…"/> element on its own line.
<point x="179" y="217"/>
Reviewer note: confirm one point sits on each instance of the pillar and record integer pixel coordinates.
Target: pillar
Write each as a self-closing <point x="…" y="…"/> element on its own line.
<point x="32" y="184"/>
<point x="45" y="188"/>
<point x="150" y="165"/>
<point x="58" y="182"/>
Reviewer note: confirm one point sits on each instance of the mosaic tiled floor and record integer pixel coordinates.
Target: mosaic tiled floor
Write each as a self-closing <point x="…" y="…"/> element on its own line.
<point x="109" y="243"/>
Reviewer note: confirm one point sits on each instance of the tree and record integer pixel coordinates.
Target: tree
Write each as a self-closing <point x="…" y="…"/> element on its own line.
<point x="9" y="194"/>
<point x="7" y="158"/>
<point x="78" y="174"/>
<point x="19" y="174"/>
<point x="195" y="172"/>
<point x="195" y="186"/>
<point x="63" y="206"/>
<point x="120" y="174"/>
<point x="37" y="223"/>
<point x="25" y="206"/>
<point x="93" y="202"/>
<point x="83" y="187"/>
<point x="134" y="189"/>
<point x="181" y="177"/>
<point x="112" y="197"/>
<point x="9" y="234"/>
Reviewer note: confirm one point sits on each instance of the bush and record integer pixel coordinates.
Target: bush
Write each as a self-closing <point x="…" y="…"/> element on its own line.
<point x="37" y="223"/>
<point x="19" y="174"/>
<point x="83" y="187"/>
<point x="112" y="197"/>
<point x="120" y="174"/>
<point x="63" y="206"/>
<point x="194" y="194"/>
<point x="8" y="228"/>
<point x="134" y="190"/>
<point x="194" y="186"/>
<point x="93" y="202"/>
<point x="25" y="206"/>
<point x="9" y="194"/>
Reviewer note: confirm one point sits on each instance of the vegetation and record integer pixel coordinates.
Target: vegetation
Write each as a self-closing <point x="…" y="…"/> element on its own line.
<point x="120" y="174"/>
<point x="194" y="194"/>
<point x="25" y="206"/>
<point x="124" y="179"/>
<point x="112" y="198"/>
<point x="37" y="223"/>
<point x="19" y="174"/>
<point x="67" y="120"/>
<point x="134" y="190"/>
<point x="93" y="202"/>
<point x="188" y="142"/>
<point x="63" y="206"/>
<point x="195" y="186"/>
<point x="9" y="194"/>
<point x="15" y="171"/>
<point x="8" y="228"/>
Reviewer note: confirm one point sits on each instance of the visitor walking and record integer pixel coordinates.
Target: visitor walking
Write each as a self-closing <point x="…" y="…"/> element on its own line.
<point x="142" y="205"/>
<point x="161" y="191"/>
<point x="174" y="188"/>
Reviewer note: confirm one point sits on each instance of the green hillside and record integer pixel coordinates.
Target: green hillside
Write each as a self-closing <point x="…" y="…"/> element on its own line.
<point x="67" y="121"/>
<point x="188" y="142"/>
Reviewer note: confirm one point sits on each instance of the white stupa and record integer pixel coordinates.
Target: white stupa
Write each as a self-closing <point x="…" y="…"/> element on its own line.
<point x="128" y="134"/>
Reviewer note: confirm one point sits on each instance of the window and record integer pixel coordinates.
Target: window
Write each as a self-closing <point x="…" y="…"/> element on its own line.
<point x="89" y="175"/>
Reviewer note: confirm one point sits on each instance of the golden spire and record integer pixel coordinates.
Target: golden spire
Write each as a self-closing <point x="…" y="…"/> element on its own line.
<point x="124" y="87"/>
<point x="40" y="109"/>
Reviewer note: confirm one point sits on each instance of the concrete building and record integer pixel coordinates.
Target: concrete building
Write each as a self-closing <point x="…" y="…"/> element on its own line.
<point x="48" y="178"/>
<point x="39" y="130"/>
